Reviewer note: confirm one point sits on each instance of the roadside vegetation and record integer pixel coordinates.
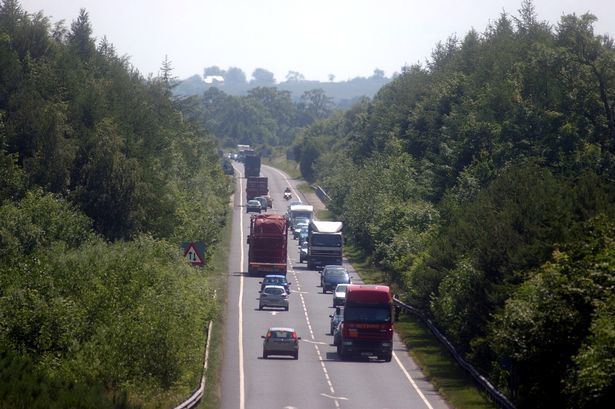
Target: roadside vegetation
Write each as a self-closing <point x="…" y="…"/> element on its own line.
<point x="482" y="184"/>
<point x="101" y="180"/>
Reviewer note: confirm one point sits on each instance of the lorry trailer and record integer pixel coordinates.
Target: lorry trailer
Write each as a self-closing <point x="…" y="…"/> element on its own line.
<point x="267" y="244"/>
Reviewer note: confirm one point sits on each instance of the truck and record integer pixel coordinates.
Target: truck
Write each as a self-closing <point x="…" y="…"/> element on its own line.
<point x="267" y="244"/>
<point x="298" y="212"/>
<point x="252" y="164"/>
<point x="256" y="186"/>
<point x="325" y="244"/>
<point x="367" y="327"/>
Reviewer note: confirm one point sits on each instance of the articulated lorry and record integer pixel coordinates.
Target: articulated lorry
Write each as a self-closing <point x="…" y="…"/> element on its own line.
<point x="267" y="243"/>
<point x="367" y="328"/>
<point x="252" y="164"/>
<point x="325" y="244"/>
<point x="256" y="186"/>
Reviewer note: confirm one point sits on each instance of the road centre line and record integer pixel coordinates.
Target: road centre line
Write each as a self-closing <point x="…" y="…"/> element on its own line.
<point x="307" y="319"/>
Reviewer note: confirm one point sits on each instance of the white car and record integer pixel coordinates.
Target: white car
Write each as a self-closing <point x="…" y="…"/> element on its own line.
<point x="339" y="294"/>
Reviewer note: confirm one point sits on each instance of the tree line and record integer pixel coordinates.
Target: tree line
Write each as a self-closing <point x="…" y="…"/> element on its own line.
<point x="264" y="118"/>
<point x="483" y="183"/>
<point x="101" y="179"/>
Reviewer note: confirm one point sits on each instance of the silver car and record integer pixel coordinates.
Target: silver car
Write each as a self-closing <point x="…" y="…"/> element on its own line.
<point x="339" y="294"/>
<point x="273" y="296"/>
<point x="335" y="320"/>
<point x="281" y="341"/>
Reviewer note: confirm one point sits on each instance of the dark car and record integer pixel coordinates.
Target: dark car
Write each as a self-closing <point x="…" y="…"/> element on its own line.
<point x="281" y="341"/>
<point x="332" y="276"/>
<point x="275" y="279"/>
<point x="253" y="206"/>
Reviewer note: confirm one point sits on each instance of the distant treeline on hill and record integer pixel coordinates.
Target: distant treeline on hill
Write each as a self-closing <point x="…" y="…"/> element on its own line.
<point x="234" y="82"/>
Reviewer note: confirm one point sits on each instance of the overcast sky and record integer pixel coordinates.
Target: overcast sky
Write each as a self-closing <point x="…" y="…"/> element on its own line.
<point x="346" y="38"/>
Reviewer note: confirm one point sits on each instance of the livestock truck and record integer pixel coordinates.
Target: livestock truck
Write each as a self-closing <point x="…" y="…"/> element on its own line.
<point x="325" y="244"/>
<point x="267" y="244"/>
<point x="252" y="164"/>
<point x="256" y="186"/>
<point x="367" y="328"/>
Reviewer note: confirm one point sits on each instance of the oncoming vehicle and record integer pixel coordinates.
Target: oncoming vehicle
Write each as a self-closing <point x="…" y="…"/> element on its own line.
<point x="303" y="235"/>
<point x="273" y="296"/>
<point x="298" y="224"/>
<point x="303" y="251"/>
<point x="275" y="279"/>
<point x="367" y="327"/>
<point x="335" y="320"/>
<point x="253" y="206"/>
<point x="339" y="294"/>
<point x="281" y="341"/>
<point x="332" y="276"/>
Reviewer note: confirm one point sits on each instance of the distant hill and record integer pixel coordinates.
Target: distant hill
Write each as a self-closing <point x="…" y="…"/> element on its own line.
<point x="344" y="93"/>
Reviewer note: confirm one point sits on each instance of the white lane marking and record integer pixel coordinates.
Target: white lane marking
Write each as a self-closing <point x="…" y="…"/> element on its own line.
<point x="416" y="388"/>
<point x="240" y="306"/>
<point x="315" y="342"/>
<point x="309" y="325"/>
<point x="333" y="397"/>
<point x="286" y="179"/>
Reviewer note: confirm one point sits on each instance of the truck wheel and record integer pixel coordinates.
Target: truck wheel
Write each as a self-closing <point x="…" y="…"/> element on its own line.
<point x="341" y="353"/>
<point x="260" y="307"/>
<point x="296" y="355"/>
<point x="265" y="355"/>
<point x="387" y="357"/>
<point x="285" y="308"/>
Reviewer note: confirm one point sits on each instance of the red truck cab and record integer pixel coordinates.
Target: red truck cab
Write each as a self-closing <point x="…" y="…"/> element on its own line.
<point x="367" y="328"/>
<point x="267" y="243"/>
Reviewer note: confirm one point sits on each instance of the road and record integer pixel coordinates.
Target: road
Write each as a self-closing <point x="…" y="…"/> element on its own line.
<point x="319" y="379"/>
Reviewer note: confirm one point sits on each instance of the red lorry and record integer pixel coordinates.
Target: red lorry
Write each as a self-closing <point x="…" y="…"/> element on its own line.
<point x="267" y="243"/>
<point x="367" y="328"/>
<point x="256" y="186"/>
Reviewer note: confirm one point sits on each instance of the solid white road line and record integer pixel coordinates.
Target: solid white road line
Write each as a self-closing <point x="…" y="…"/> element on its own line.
<point x="416" y="388"/>
<point x="240" y="305"/>
<point x="287" y="182"/>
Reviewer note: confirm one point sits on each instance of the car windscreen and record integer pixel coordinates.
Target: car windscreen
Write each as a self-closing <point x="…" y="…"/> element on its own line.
<point x="326" y="240"/>
<point x="367" y="314"/>
<point x="275" y="281"/>
<point x="281" y="334"/>
<point x="301" y="215"/>
<point x="337" y="274"/>
<point x="274" y="291"/>
<point x="341" y="289"/>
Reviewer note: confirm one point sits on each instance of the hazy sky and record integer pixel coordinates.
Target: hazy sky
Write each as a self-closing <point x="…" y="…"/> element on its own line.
<point x="346" y="38"/>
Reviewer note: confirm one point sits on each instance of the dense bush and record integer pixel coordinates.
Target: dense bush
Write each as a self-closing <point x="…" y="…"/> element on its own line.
<point x="483" y="184"/>
<point x="101" y="179"/>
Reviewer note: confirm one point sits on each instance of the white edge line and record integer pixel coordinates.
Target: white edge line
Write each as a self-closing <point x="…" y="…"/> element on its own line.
<point x="286" y="179"/>
<point x="240" y="305"/>
<point x="416" y="388"/>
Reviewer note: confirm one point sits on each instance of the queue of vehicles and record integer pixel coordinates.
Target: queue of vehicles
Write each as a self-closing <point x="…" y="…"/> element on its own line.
<point x="363" y="320"/>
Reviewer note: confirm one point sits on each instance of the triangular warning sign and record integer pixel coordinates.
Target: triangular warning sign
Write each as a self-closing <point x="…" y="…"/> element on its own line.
<point x="192" y="255"/>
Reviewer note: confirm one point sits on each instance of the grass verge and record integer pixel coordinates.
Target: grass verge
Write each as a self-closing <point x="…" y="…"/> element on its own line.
<point x="324" y="215"/>
<point x="278" y="160"/>
<point x="218" y="279"/>
<point x="436" y="363"/>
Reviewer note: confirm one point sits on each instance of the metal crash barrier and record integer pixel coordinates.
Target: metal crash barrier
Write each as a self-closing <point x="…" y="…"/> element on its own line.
<point x="497" y="396"/>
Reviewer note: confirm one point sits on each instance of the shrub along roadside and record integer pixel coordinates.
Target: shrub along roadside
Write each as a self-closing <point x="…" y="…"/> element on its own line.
<point x="435" y="362"/>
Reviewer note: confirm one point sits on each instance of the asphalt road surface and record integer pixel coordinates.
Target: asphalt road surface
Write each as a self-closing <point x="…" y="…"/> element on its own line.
<point x="318" y="379"/>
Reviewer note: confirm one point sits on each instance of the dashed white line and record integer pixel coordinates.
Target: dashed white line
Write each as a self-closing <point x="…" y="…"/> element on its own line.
<point x="309" y="325"/>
